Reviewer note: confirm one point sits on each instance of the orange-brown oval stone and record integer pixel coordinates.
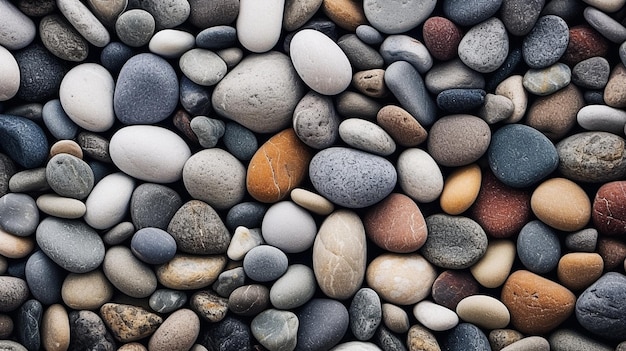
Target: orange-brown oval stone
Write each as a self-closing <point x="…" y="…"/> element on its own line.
<point x="347" y="14"/>
<point x="578" y="270"/>
<point x="561" y="204"/>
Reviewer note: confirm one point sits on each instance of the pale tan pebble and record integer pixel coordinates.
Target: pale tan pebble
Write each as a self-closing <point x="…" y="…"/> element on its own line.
<point x="484" y="311"/>
<point x="370" y="82"/>
<point x="4" y="265"/>
<point x="496" y="108"/>
<point x="311" y="201"/>
<point x="513" y="89"/>
<point x="55" y="329"/>
<point x="395" y="318"/>
<point x="62" y="207"/>
<point x="534" y="343"/>
<point x="66" y="147"/>
<point x="421" y="339"/>
<point x="188" y="272"/>
<point x="12" y="246"/>
<point x="128" y="322"/>
<point x="243" y="240"/>
<point x="177" y="333"/>
<point x="578" y="270"/>
<point x="460" y="189"/>
<point x="494" y="267"/>
<point x="501" y="338"/>
<point x="132" y="346"/>
<point x="86" y="291"/>
<point x="561" y="204"/>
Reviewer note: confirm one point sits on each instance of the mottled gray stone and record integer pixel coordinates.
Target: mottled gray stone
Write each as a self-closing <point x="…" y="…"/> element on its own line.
<point x="28" y="324"/>
<point x="19" y="214"/>
<point x="546" y="42"/>
<point x="601" y="308"/>
<point x="592" y="73"/>
<point x="153" y="205"/>
<point x="198" y="229"/>
<point x="365" y="313"/>
<point x="228" y="281"/>
<point x="135" y="27"/>
<point x="485" y="46"/>
<point x="265" y="263"/>
<point x="166" y="300"/>
<point x="88" y="332"/>
<point x="595" y="157"/>
<point x="69" y="176"/>
<point x="61" y="39"/>
<point x="208" y="130"/>
<point x="397" y="17"/>
<point x="584" y="240"/>
<point x="276" y="330"/>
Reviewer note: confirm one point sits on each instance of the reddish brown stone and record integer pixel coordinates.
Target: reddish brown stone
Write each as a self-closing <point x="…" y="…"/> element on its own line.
<point x="452" y="286"/>
<point x="613" y="252"/>
<point x="555" y="115"/>
<point x="501" y="210"/>
<point x="609" y="209"/>
<point x="442" y="38"/>
<point x="403" y="128"/>
<point x="584" y="42"/>
<point x="182" y="122"/>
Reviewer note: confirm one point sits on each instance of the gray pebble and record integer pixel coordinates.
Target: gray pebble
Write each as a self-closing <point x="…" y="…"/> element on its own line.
<point x="315" y="121"/>
<point x="61" y="39"/>
<point x="166" y="13"/>
<point x="361" y="56"/>
<point x="365" y="313"/>
<point x="519" y="16"/>
<point x="458" y="140"/>
<point x="350" y="104"/>
<point x="496" y="108"/>
<point x="295" y="288"/>
<point x="166" y="300"/>
<point x="23" y="141"/>
<point x="569" y="339"/>
<point x="153" y="245"/>
<point x="198" y="229"/>
<point x="405" y="48"/>
<point x="602" y="118"/>
<point x="228" y="334"/>
<point x="208" y="14"/>
<point x="538" y="247"/>
<point x="44" y="278"/>
<point x="153" y="205"/>
<point x="369" y="35"/>
<point x="29" y="180"/>
<point x="32" y="111"/>
<point x="546" y="42"/>
<point x="622" y="53"/>
<point x="601" y="308"/>
<point x="388" y="341"/>
<point x="41" y="73"/>
<point x="535" y="343"/>
<point x="208" y="130"/>
<point x="195" y="98"/>
<point x="88" y="332"/>
<point x="69" y="176"/>
<point x="469" y="13"/>
<point x="406" y="84"/>
<point x="323" y="323"/>
<point x="7" y="170"/>
<point x="81" y="18"/>
<point x="569" y="10"/>
<point x="485" y="46"/>
<point x="19" y="214"/>
<point x="28" y="324"/>
<point x="135" y="27"/>
<point x="202" y="66"/>
<point x="17" y="30"/>
<point x="460" y="100"/>
<point x="57" y="121"/>
<point x="246" y="214"/>
<point x="453" y="74"/>
<point x="594" y="97"/>
<point x="240" y="141"/>
<point x="114" y="55"/>
<point x="595" y="157"/>
<point x="217" y="37"/>
<point x="249" y="300"/>
<point x="14" y="292"/>
<point x="275" y="329"/>
<point x="392" y="17"/>
<point x="605" y="25"/>
<point x="228" y="281"/>
<point x="95" y="146"/>
<point x="466" y="336"/>
<point x="592" y="73"/>
<point x="10" y="345"/>
<point x="265" y="263"/>
<point x="584" y="240"/>
<point x="119" y="233"/>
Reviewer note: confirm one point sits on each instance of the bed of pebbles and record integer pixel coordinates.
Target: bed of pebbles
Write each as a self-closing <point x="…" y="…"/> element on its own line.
<point x="312" y="175"/>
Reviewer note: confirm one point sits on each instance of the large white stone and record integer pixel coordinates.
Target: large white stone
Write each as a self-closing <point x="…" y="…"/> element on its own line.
<point x="320" y="62"/>
<point x="259" y="24"/>
<point x="16" y="29"/>
<point x="149" y="153"/>
<point x="86" y="94"/>
<point x="108" y="202"/>
<point x="9" y="75"/>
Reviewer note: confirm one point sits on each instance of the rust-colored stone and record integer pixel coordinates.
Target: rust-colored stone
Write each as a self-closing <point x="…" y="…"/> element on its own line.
<point x="578" y="270"/>
<point x="441" y="37"/>
<point x="584" y="42"/>
<point x="401" y="125"/>
<point x="452" y="286"/>
<point x="347" y="14"/>
<point x="613" y="252"/>
<point x="609" y="208"/>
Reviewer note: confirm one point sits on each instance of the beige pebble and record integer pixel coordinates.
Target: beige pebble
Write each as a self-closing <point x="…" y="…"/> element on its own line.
<point x="501" y="338"/>
<point x="615" y="90"/>
<point x="370" y="82"/>
<point x="513" y="89"/>
<point x="188" y="272"/>
<point x="66" y="147"/>
<point x="421" y="339"/>
<point x="55" y="329"/>
<point x="496" y="108"/>
<point x="12" y="246"/>
<point x="460" y="189"/>
<point x="62" y="207"/>
<point x="127" y="273"/>
<point x="132" y="346"/>
<point x="484" y="311"/>
<point x="86" y="291"/>
<point x="561" y="204"/>
<point x="494" y="267"/>
<point x="395" y="318"/>
<point x="177" y="333"/>
<point x="312" y="201"/>
<point x="578" y="270"/>
<point x="401" y="125"/>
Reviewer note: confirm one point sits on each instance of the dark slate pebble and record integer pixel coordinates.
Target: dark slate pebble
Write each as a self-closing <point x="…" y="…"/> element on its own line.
<point x="19" y="214"/>
<point x="95" y="146"/>
<point x="584" y="240"/>
<point x="57" y="121"/>
<point x="23" y="141"/>
<point x="592" y="73"/>
<point x="245" y="214"/>
<point x="546" y="42"/>
<point x="229" y="334"/>
<point x="228" y="281"/>
<point x="365" y="313"/>
<point x="28" y="323"/>
<point x="569" y="10"/>
<point x="166" y="300"/>
<point x="153" y="205"/>
<point x="601" y="308"/>
<point x="205" y="14"/>
<point x="115" y="55"/>
<point x="7" y="170"/>
<point x="41" y="73"/>
<point x="265" y="263"/>
<point x="460" y="100"/>
<point x="32" y="111"/>
<point x="195" y="98"/>
<point x="508" y="67"/>
<point x="217" y="37"/>
<point x="249" y="300"/>
<point x="100" y="170"/>
<point x="519" y="16"/>
<point x="538" y="247"/>
<point x="469" y="13"/>
<point x="153" y="245"/>
<point x="361" y="56"/>
<point x="387" y="340"/>
<point x="146" y="91"/>
<point x="594" y="97"/>
<point x="520" y="156"/>
<point x="466" y="336"/>
<point x="323" y="322"/>
<point x="88" y="332"/>
<point x="44" y="278"/>
<point x="240" y="141"/>
<point x="17" y="268"/>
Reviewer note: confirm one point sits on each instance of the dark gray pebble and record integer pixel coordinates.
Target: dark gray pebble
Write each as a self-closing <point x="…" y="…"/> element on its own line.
<point x="365" y="313"/>
<point x="592" y="73"/>
<point x="323" y="322"/>
<point x="538" y="247"/>
<point x="41" y="73"/>
<point x="153" y="205"/>
<point x="229" y="334"/>
<point x="17" y="268"/>
<point x="228" y="281"/>
<point x="460" y="100"/>
<point x="240" y="141"/>
<point x="569" y="10"/>
<point x="7" y="170"/>
<point x="195" y="98"/>
<point x="95" y="146"/>
<point x="361" y="56"/>
<point x="23" y="141"/>
<point x="466" y="336"/>
<point x="519" y="16"/>
<point x="44" y="278"/>
<point x="88" y="332"/>
<point x="265" y="263"/>
<point x="114" y="56"/>
<point x="19" y="214"/>
<point x="508" y="67"/>
<point x="32" y="111"/>
<point x="28" y="323"/>
<point x="57" y="121"/>
<point x="70" y="176"/>
<point x="469" y="13"/>
<point x="58" y="36"/>
<point x="594" y="97"/>
<point x="584" y="240"/>
<point x="249" y="300"/>
<point x="153" y="245"/>
<point x="100" y="170"/>
<point x="601" y="308"/>
<point x="546" y="42"/>
<point x="388" y="341"/>
<point x="166" y="300"/>
<point x="217" y="37"/>
<point x="246" y="214"/>
<point x="205" y="14"/>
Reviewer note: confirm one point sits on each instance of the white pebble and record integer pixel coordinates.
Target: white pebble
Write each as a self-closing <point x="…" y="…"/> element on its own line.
<point x="243" y="241"/>
<point x="435" y="317"/>
<point x="171" y="43"/>
<point x="259" y="24"/>
<point x="9" y="75"/>
<point x="419" y="175"/>
<point x="109" y="200"/>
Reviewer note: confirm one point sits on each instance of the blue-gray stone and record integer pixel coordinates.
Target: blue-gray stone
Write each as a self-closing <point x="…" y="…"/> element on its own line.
<point x="217" y="37"/>
<point x="146" y="91"/>
<point x="166" y="300"/>
<point x="28" y="324"/>
<point x="406" y="84"/>
<point x="19" y="214"/>
<point x="406" y="48"/>
<point x="469" y="13"/>
<point x="195" y="98"/>
<point x="153" y="245"/>
<point x="153" y="205"/>
<point x="605" y="25"/>
<point x="352" y="178"/>
<point x="207" y="130"/>
<point x="365" y="313"/>
<point x="57" y="121"/>
<point x="569" y="10"/>
<point x="7" y="170"/>
<point x="369" y="35"/>
<point x="325" y="26"/>
<point x="466" y="336"/>
<point x="114" y="56"/>
<point x="23" y="141"/>
<point x="69" y="176"/>
<point x="275" y="329"/>
<point x="32" y="111"/>
<point x="460" y="100"/>
<point x="546" y="42"/>
<point x="520" y="156"/>
<point x="229" y="334"/>
<point x="240" y="141"/>
<point x="323" y="323"/>
<point x="361" y="56"/>
<point x="71" y="244"/>
<point x="601" y="308"/>
<point x="594" y="97"/>
<point x="265" y="263"/>
<point x="592" y="73"/>
<point x="228" y="281"/>
<point x="44" y="278"/>
<point x="538" y="247"/>
<point x="88" y="332"/>
<point x="17" y="268"/>
<point x="100" y="170"/>
<point x="246" y="214"/>
<point x="507" y="68"/>
<point x="41" y="73"/>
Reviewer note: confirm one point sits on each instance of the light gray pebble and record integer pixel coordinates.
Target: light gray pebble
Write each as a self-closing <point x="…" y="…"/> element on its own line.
<point x="231" y="56"/>
<point x="127" y="273"/>
<point x="29" y="180"/>
<point x="85" y="22"/>
<point x="57" y="121"/>
<point x="202" y="66"/>
<point x="350" y="104"/>
<point x="406" y="84"/>
<point x="265" y="263"/>
<point x="295" y="288"/>
<point x="546" y="42"/>
<point x="135" y="27"/>
<point x="10" y="345"/>
<point x="167" y="300"/>
<point x="485" y="46"/>
<point x="496" y="108"/>
<point x="315" y="120"/>
<point x="69" y="176"/>
<point x="275" y="329"/>
<point x="119" y="233"/>
<point x="166" y="13"/>
<point x="361" y="56"/>
<point x="393" y="17"/>
<point x="208" y="130"/>
<point x="365" y="313"/>
<point x="228" y="281"/>
<point x="16" y="29"/>
<point x="605" y="25"/>
<point x="19" y="214"/>
<point x="297" y="13"/>
<point x="535" y="343"/>
<point x="584" y="240"/>
<point x="592" y="157"/>
<point x="367" y="136"/>
<point x="369" y="35"/>
<point x="405" y="48"/>
<point x="453" y="74"/>
<point x="602" y="118"/>
<point x="569" y="339"/>
<point x="14" y="292"/>
<point x="592" y="73"/>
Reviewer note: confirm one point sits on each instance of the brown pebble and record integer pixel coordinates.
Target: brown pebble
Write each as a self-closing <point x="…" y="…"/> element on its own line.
<point x="501" y="338"/>
<point x="613" y="252"/>
<point x="209" y="305"/>
<point x="460" y="189"/>
<point x="370" y="82"/>
<point x="421" y="339"/>
<point x="249" y="300"/>
<point x="6" y="326"/>
<point x="188" y="272"/>
<point x="55" y="329"/>
<point x="13" y="246"/>
<point x="182" y="122"/>
<point x="609" y="208"/>
<point x="561" y="204"/>
<point x="537" y="305"/>
<point x="395" y="318"/>
<point x="584" y="42"/>
<point x="133" y="346"/>
<point x="403" y="128"/>
<point x="66" y="147"/>
<point x="555" y="115"/>
<point x="129" y="323"/>
<point x="458" y="140"/>
<point x="615" y="90"/>
<point x="452" y="286"/>
<point x="578" y="270"/>
<point x="347" y="14"/>
<point x="441" y="37"/>
<point x="177" y="333"/>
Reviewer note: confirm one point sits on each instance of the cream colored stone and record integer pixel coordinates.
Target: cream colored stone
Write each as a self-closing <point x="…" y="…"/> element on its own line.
<point x="187" y="272"/>
<point x="494" y="267"/>
<point x="55" y="329"/>
<point x="435" y="317"/>
<point x="311" y="201"/>
<point x="59" y="206"/>
<point x="484" y="311"/>
<point x="12" y="246"/>
<point x="513" y="89"/>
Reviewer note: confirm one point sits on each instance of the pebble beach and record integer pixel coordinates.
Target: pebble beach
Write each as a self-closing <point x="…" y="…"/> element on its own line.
<point x="313" y="175"/>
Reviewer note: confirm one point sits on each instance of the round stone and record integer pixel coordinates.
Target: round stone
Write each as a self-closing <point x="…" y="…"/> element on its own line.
<point x="366" y="136"/>
<point x="294" y="288"/>
<point x="57" y="121"/>
<point x="265" y="263"/>
<point x="69" y="176"/>
<point x="556" y="114"/>
<point x="546" y="42"/>
<point x="247" y="214"/>
<point x="547" y="80"/>
<point x="464" y="336"/>
<point x="441" y="37"/>
<point x="166" y="300"/>
<point x="458" y="140"/>
<point x="323" y="323"/>
<point x="609" y="208"/>
<point x="561" y="204"/>
<point x="614" y="93"/>
<point x="14" y="292"/>
<point x="275" y="329"/>
<point x="297" y="13"/>
<point x="419" y="175"/>
<point x="17" y="30"/>
<point x="392" y="18"/>
<point x="249" y="300"/>
<point x="538" y="247"/>
<point x="18" y="214"/>
<point x="496" y="108"/>
<point x="259" y="34"/>
<point x="288" y="227"/>
<point x="107" y="204"/>
<point x="592" y="73"/>
<point x="15" y="247"/>
<point x="41" y="73"/>
<point x="10" y="73"/>
<point x="483" y="311"/>
<point x="86" y="291"/>
<point x="198" y="229"/>
<point x="239" y="141"/>
<point x="209" y="306"/>
<point x="135" y="27"/>
<point x="600" y="308"/>
<point x="365" y="313"/>
<point x="485" y="46"/>
<point x="395" y="318"/>
<point x="584" y="42"/>
<point x="401" y="126"/>
<point x="495" y="266"/>
<point x="520" y="16"/>
<point x="153" y="245"/>
<point x="127" y="273"/>
<point x="129" y="323"/>
<point x="171" y="43"/>
<point x="202" y="66"/>
<point x="594" y="157"/>
<point x="578" y="270"/>
<point x="44" y="278"/>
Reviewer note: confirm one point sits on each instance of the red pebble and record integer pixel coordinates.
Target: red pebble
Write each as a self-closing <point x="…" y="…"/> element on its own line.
<point x="452" y="286"/>
<point x="609" y="208"/>
<point x="612" y="251"/>
<point x="442" y="38"/>
<point x="584" y="42"/>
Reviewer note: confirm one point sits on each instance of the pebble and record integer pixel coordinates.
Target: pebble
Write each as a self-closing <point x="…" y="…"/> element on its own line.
<point x="556" y="114"/>
<point x="469" y="13"/>
<point x="602" y="118"/>
<point x="247" y="214"/>
<point x="105" y="210"/>
<point x="129" y="323"/>
<point x="14" y="246"/>
<point x="360" y="55"/>
<point x="584" y="43"/>
<point x="202" y="66"/>
<point x="395" y="318"/>
<point x="461" y="189"/>
<point x="44" y="278"/>
<point x="402" y="279"/>
<point x="545" y="81"/>
<point x="460" y="100"/>
<point x="441" y="37"/>
<point x="69" y="176"/>
<point x="501" y="338"/>
<point x="166" y="300"/>
<point x="492" y="270"/>
<point x="613" y="252"/>
<point x="485" y="46"/>
<point x="209" y="306"/>
<point x="538" y="247"/>
<point x="178" y="332"/>
<point x="55" y="328"/>
<point x="153" y="245"/>
<point x="365" y="313"/>
<point x="17" y="30"/>
<point x="119" y="233"/>
<point x="94" y="146"/>
<point x="407" y="86"/>
<point x="340" y="254"/>
<point x="171" y="43"/>
<point x="265" y="263"/>
<point x="605" y="25"/>
<point x="435" y="317"/>
<point x="86" y="291"/>
<point x="28" y="323"/>
<point x="529" y="343"/>
<point x="370" y="82"/>
<point x="23" y="141"/>
<point x="197" y="229"/>
<point x="567" y="339"/>
<point x="18" y="214"/>
<point x="483" y="311"/>
<point x="323" y="323"/>
<point x="239" y="141"/>
<point x="592" y="157"/>
<point x="419" y="175"/>
<point x="607" y="208"/>
<point x="107" y="11"/>
<point x="243" y="240"/>
<point x="525" y="292"/>
<point x="230" y="334"/>
<point x="405" y="48"/>
<point x="88" y="332"/>
<point x="397" y="18"/>
<point x="29" y="180"/>
<point x="81" y="18"/>
<point x="275" y="329"/>
<point x="249" y="300"/>
<point x="259" y="34"/>
<point x="599" y="308"/>
<point x="458" y="140"/>
<point x="513" y="89"/>
<point x="352" y="104"/>
<point x="347" y="14"/>
<point x="315" y="120"/>
<point x="166" y="14"/>
<point x="288" y="227"/>
<point x="7" y="170"/>
<point x="369" y="35"/>
<point x="14" y="292"/>
<point x="10" y="73"/>
<point x="592" y="73"/>
<point x="578" y="270"/>
<point x="519" y="17"/>
<point x="311" y="201"/>
<point x="294" y="288"/>
<point x="546" y="42"/>
<point x="420" y="338"/>
<point x="12" y="345"/>
<point x="583" y="240"/>
<point x="464" y="336"/>
<point x="153" y="205"/>
<point x="366" y="136"/>
<point x="135" y="27"/>
<point x="203" y="16"/>
<point x="297" y="13"/>
<point x="50" y="71"/>
<point x="614" y="94"/>
<point x="452" y="74"/>
<point x="127" y="273"/>
<point x="401" y="126"/>
<point x="186" y="272"/>
<point x="570" y="213"/>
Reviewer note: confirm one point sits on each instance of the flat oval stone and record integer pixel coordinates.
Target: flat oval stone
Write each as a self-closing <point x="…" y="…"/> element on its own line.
<point x="419" y="175"/>
<point x="469" y="13"/>
<point x="608" y="208"/>
<point x="63" y="207"/>
<point x="435" y="317"/>
<point x="594" y="157"/>
<point x="86" y="291"/>
<point x="401" y="126"/>
<point x="520" y="164"/>
<point x="605" y="25"/>
<point x="537" y="343"/>
<point x="545" y="81"/>
<point x="458" y="140"/>
<point x="249" y="300"/>
<point x="167" y="300"/>
<point x="485" y="46"/>
<point x="561" y="204"/>
<point x="495" y="266"/>
<point x="294" y="288"/>
<point x="187" y="272"/>
<point x="275" y="329"/>
<point x="369" y="35"/>
<point x="23" y="141"/>
<point x="330" y="176"/>
<point x="69" y="176"/>
<point x="464" y="336"/>
<point x="407" y="85"/>
<point x="578" y="270"/>
<point x="538" y="247"/>
<point x="9" y="73"/>
<point x="247" y="214"/>
<point x="315" y="121"/>
<point x="14" y="292"/>
<point x="564" y="339"/>
<point x="495" y="108"/>
<point x="602" y="118"/>
<point x="556" y="114"/>
<point x="171" y="43"/>
<point x="392" y="18"/>
<point x="44" y="278"/>
<point x="55" y="328"/>
<point x="197" y="229"/>
<point x="405" y="48"/>
<point x="14" y="246"/>
<point x="135" y="27"/>
<point x="297" y="13"/>
<point x="153" y="205"/>
<point x="108" y="202"/>
<point x="353" y="104"/>
<point x="85" y="22"/>
<point x="546" y="42"/>
<point x="320" y="63"/>
<point x="323" y="323"/>
<point x="600" y="308"/>
<point x="179" y="331"/>
<point x="366" y="136"/>
<point x="340" y="254"/>
<point x="461" y="189"/>
<point x="153" y="245"/>
<point x="483" y="311"/>
<point x="453" y="242"/>
<point x="265" y="263"/>
<point x="149" y="153"/>
<point x="18" y="214"/>
<point x="360" y="55"/>
<point x="402" y="279"/>
<point x="269" y="77"/>
<point x="311" y="201"/>
<point x="592" y="73"/>
<point x="460" y="100"/>
<point x="127" y="273"/>
<point x="395" y="318"/>
<point x="259" y="34"/>
<point x="202" y="66"/>
<point x="288" y="227"/>
<point x="17" y="30"/>
<point x="453" y="74"/>
<point x="71" y="244"/>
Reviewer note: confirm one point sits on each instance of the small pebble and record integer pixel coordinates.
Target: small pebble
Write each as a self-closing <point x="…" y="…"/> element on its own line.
<point x="435" y="317"/>
<point x="166" y="300"/>
<point x="178" y="332"/>
<point x="288" y="227"/>
<point x="265" y="263"/>
<point x="275" y="329"/>
<point x="452" y="286"/>
<point x="545" y="81"/>
<point x="249" y="300"/>
<point x="294" y="288"/>
<point x="538" y="247"/>
<point x="365" y="313"/>
<point x="86" y="291"/>
<point x="483" y="311"/>
<point x="485" y="46"/>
